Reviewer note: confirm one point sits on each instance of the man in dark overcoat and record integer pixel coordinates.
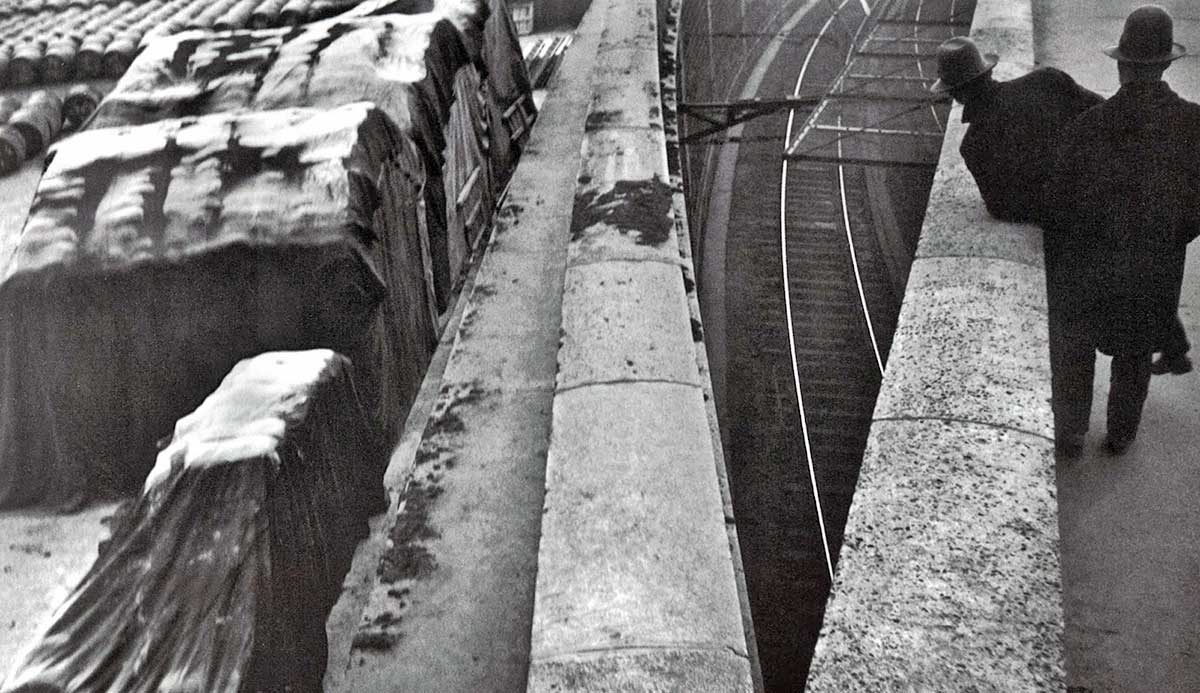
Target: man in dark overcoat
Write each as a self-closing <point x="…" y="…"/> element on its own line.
<point x="1013" y="130"/>
<point x="1123" y="201"/>
<point x="1012" y="127"/>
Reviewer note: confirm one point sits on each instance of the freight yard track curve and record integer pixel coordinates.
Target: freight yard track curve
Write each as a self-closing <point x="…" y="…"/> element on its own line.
<point x="812" y="307"/>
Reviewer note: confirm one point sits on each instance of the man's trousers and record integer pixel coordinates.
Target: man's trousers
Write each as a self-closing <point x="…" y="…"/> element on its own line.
<point x="1072" y="369"/>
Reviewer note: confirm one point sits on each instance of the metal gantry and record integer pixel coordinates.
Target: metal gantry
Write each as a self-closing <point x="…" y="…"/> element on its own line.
<point x="879" y="111"/>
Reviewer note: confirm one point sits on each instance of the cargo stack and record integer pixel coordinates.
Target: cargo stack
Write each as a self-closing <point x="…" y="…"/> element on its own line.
<point x="415" y="67"/>
<point x="276" y="519"/>
<point x="155" y="257"/>
<point x="241" y="195"/>
<point x="490" y="35"/>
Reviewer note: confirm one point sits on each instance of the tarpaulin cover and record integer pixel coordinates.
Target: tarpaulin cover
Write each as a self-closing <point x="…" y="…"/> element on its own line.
<point x="155" y="257"/>
<point x="509" y="93"/>
<point x="491" y="37"/>
<point x="468" y="16"/>
<point x="223" y="573"/>
<point x="469" y="186"/>
<point x="404" y="64"/>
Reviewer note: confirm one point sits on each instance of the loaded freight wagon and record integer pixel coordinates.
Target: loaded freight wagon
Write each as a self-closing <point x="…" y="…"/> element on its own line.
<point x="222" y="573"/>
<point x="156" y="256"/>
<point x="415" y="67"/>
<point x="231" y="205"/>
<point x="491" y="36"/>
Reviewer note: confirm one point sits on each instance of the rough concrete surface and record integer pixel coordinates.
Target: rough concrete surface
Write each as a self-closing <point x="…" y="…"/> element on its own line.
<point x="635" y="585"/>
<point x="627" y="531"/>
<point x="948" y="578"/>
<point x="1130" y="526"/>
<point x="971" y="346"/>
<point x="631" y="325"/>
<point x="43" y="555"/>
<point x="453" y="607"/>
<point x="959" y="591"/>
<point x="657" y="670"/>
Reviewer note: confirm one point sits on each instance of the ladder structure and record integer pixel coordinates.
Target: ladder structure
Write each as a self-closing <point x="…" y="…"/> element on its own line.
<point x="879" y="110"/>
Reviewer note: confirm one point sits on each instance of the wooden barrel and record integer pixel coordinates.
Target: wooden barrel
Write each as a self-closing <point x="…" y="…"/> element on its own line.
<point x="8" y="106"/>
<point x="294" y="12"/>
<point x="5" y="58"/>
<point x="79" y="103"/>
<point x="26" y="63"/>
<point x="59" y="62"/>
<point x="266" y="14"/>
<point x="118" y="54"/>
<point x="39" y="120"/>
<point x="208" y="16"/>
<point x="236" y="17"/>
<point x="90" y="54"/>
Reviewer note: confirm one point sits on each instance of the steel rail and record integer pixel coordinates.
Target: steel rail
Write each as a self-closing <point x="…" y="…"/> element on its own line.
<point x="787" y="300"/>
<point x="862" y="295"/>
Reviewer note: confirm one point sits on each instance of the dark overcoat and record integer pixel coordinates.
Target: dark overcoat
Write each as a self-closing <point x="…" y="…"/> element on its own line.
<point x="1013" y="130"/>
<point x="1123" y="201"/>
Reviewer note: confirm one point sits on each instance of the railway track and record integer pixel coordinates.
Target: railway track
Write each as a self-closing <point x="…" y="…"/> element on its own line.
<point x="839" y="347"/>
<point x="813" y="311"/>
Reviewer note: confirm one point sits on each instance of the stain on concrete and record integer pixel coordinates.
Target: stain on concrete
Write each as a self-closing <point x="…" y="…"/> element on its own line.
<point x="597" y="120"/>
<point x="471" y="314"/>
<point x="445" y="420"/>
<point x="407" y="558"/>
<point x="507" y="218"/>
<point x="374" y="640"/>
<point x="641" y="208"/>
<point x="697" y="331"/>
<point x="33" y="549"/>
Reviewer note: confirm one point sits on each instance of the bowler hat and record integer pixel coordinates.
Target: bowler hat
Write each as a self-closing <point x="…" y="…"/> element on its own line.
<point x="1148" y="37"/>
<point x="959" y="62"/>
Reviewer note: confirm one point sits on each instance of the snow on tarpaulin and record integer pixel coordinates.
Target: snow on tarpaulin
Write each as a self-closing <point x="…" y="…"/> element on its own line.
<point x="155" y="257"/>
<point x="407" y="65"/>
<point x="491" y="37"/>
<point x="469" y="17"/>
<point x="221" y="576"/>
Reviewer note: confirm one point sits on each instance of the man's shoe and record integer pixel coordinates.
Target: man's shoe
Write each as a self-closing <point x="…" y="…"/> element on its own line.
<point x="1175" y="364"/>
<point x="1068" y="447"/>
<point x="1117" y="446"/>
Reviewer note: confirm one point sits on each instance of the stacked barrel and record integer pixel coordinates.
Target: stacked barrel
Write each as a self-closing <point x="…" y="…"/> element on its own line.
<point x="29" y="126"/>
<point x="51" y="41"/>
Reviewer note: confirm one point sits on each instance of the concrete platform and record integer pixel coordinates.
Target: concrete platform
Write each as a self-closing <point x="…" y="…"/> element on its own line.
<point x="576" y="340"/>
<point x="968" y="549"/>
<point x="948" y="577"/>
<point x="43" y="556"/>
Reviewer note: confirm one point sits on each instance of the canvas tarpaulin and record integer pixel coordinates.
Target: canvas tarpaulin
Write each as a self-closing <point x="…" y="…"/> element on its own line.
<point x="491" y="37"/>
<point x="222" y="575"/>
<point x="155" y="257"/>
<point x="405" y="64"/>
<point x="509" y="93"/>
